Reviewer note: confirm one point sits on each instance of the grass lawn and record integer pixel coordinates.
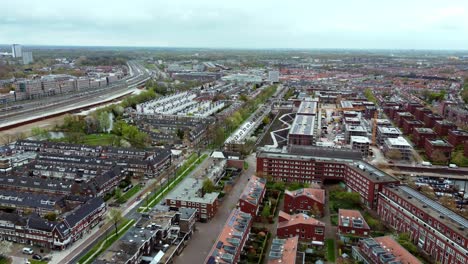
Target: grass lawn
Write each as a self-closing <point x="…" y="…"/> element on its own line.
<point x="98" y="139"/>
<point x="330" y="243"/>
<point x="33" y="261"/>
<point x="129" y="194"/>
<point x="111" y="238"/>
<point x="4" y="260"/>
<point x="334" y="219"/>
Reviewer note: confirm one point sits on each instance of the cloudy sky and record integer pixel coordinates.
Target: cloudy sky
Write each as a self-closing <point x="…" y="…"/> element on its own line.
<point x="382" y="24"/>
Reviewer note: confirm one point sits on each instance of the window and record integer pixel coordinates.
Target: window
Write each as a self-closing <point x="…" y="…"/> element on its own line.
<point x="319" y="231"/>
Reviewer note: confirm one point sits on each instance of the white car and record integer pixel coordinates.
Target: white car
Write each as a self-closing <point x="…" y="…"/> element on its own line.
<point x="28" y="251"/>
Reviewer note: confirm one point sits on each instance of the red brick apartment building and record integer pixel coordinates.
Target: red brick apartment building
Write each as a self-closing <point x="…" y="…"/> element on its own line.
<point x="420" y="134"/>
<point x="430" y="119"/>
<point x="252" y="196"/>
<point x="456" y="137"/>
<point x="442" y="127"/>
<point x="304" y="200"/>
<point x="420" y="111"/>
<point x="438" y="145"/>
<point x="228" y="247"/>
<point x="352" y="223"/>
<point x="410" y="125"/>
<point x="382" y="250"/>
<point x="412" y="106"/>
<point x="401" y="117"/>
<point x="312" y="164"/>
<point x="433" y="228"/>
<point x="306" y="227"/>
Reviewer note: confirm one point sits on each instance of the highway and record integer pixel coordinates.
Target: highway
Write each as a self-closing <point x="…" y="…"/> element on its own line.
<point x="54" y="105"/>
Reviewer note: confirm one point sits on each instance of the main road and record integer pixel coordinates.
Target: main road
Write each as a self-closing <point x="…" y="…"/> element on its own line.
<point x="55" y="105"/>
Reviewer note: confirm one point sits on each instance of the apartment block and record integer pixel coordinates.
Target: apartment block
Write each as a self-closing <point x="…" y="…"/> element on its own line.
<point x="438" y="231"/>
<point x="442" y="127"/>
<point x="400" y="145"/>
<point x="382" y="250"/>
<point x="420" y="134"/>
<point x="387" y="132"/>
<point x="410" y="125"/>
<point x="457" y="137"/>
<point x="284" y="251"/>
<point x="438" y="150"/>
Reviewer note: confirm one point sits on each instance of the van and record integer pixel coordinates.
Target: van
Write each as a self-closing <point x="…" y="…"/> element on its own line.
<point x="28" y="251"/>
<point x="426" y="163"/>
<point x="451" y="165"/>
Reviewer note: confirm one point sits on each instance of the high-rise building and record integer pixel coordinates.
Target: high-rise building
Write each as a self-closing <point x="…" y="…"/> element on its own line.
<point x="16" y="51"/>
<point x="27" y="57"/>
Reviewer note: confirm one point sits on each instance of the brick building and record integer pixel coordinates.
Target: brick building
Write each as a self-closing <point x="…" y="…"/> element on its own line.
<point x="430" y="119"/>
<point x="420" y="134"/>
<point x="307" y="228"/>
<point x="302" y="130"/>
<point x="438" y="150"/>
<point x="252" y="195"/>
<point x="420" y="112"/>
<point x="352" y="223"/>
<point x="189" y="194"/>
<point x="438" y="231"/>
<point x="456" y="137"/>
<point x="312" y="164"/>
<point x="304" y="200"/>
<point x="402" y="116"/>
<point x="284" y="251"/>
<point x="410" y="125"/>
<point x="442" y="127"/>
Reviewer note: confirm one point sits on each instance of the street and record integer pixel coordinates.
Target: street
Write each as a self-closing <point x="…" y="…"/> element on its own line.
<point x="206" y="234"/>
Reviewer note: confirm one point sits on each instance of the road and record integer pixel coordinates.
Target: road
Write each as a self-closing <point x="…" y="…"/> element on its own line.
<point x="66" y="103"/>
<point x="207" y="233"/>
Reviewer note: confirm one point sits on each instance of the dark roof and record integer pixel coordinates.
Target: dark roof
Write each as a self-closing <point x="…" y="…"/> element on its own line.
<point x="12" y="218"/>
<point x="325" y="152"/>
<point x="36" y="222"/>
<point x="83" y="211"/>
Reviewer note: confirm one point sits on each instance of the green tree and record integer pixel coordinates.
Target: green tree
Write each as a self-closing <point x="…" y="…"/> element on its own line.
<point x="115" y="216"/>
<point x="208" y="186"/>
<point x="104" y="121"/>
<point x="40" y="133"/>
<point x="51" y="216"/>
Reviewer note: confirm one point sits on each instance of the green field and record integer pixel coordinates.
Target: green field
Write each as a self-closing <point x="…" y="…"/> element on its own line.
<point x="330" y="243"/>
<point x="98" y="139"/>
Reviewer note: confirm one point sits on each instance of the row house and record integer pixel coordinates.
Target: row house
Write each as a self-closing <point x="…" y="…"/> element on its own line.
<point x="301" y="225"/>
<point x="34" y="185"/>
<point x="382" y="250"/>
<point x="189" y="194"/>
<point x="352" y="223"/>
<point x="252" y="195"/>
<point x="36" y="231"/>
<point x="231" y="240"/>
<point x="25" y="202"/>
<point x="304" y="200"/>
<point x="284" y="251"/>
<point x="420" y="134"/>
<point x="442" y="127"/>
<point x="438" y="231"/>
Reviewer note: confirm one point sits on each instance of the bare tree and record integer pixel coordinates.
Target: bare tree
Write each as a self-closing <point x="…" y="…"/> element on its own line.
<point x="115" y="216"/>
<point x="5" y="248"/>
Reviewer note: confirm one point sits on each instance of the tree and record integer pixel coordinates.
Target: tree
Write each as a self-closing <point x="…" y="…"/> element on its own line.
<point x="40" y="133"/>
<point x="115" y="216"/>
<point x="5" y="248"/>
<point x="315" y="211"/>
<point x="208" y="186"/>
<point x="104" y="122"/>
<point x="51" y="216"/>
<point x="266" y="211"/>
<point x="266" y="120"/>
<point x="180" y="133"/>
<point x="428" y="191"/>
<point x="439" y="157"/>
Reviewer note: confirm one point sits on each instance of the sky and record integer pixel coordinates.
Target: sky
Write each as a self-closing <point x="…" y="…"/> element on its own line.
<point x="258" y="24"/>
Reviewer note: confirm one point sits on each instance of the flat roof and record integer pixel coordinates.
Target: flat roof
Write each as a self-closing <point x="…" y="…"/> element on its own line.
<point x="355" y="128"/>
<point x="389" y="130"/>
<point x="360" y="139"/>
<point x="307" y="108"/>
<point x="399" y="141"/>
<point x="440" y="143"/>
<point x="303" y="125"/>
<point x="424" y="130"/>
<point x="188" y="190"/>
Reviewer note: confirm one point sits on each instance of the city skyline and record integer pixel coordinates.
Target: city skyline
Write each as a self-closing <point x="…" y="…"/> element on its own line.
<point x="241" y="24"/>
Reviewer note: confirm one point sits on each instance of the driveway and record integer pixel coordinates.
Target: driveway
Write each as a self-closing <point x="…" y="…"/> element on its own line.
<point x="207" y="233"/>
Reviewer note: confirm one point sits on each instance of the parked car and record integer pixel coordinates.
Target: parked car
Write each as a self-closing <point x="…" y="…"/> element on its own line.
<point x="37" y="257"/>
<point x="28" y="251"/>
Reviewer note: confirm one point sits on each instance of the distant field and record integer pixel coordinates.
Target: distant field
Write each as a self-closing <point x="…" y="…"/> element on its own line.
<point x="98" y="139"/>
